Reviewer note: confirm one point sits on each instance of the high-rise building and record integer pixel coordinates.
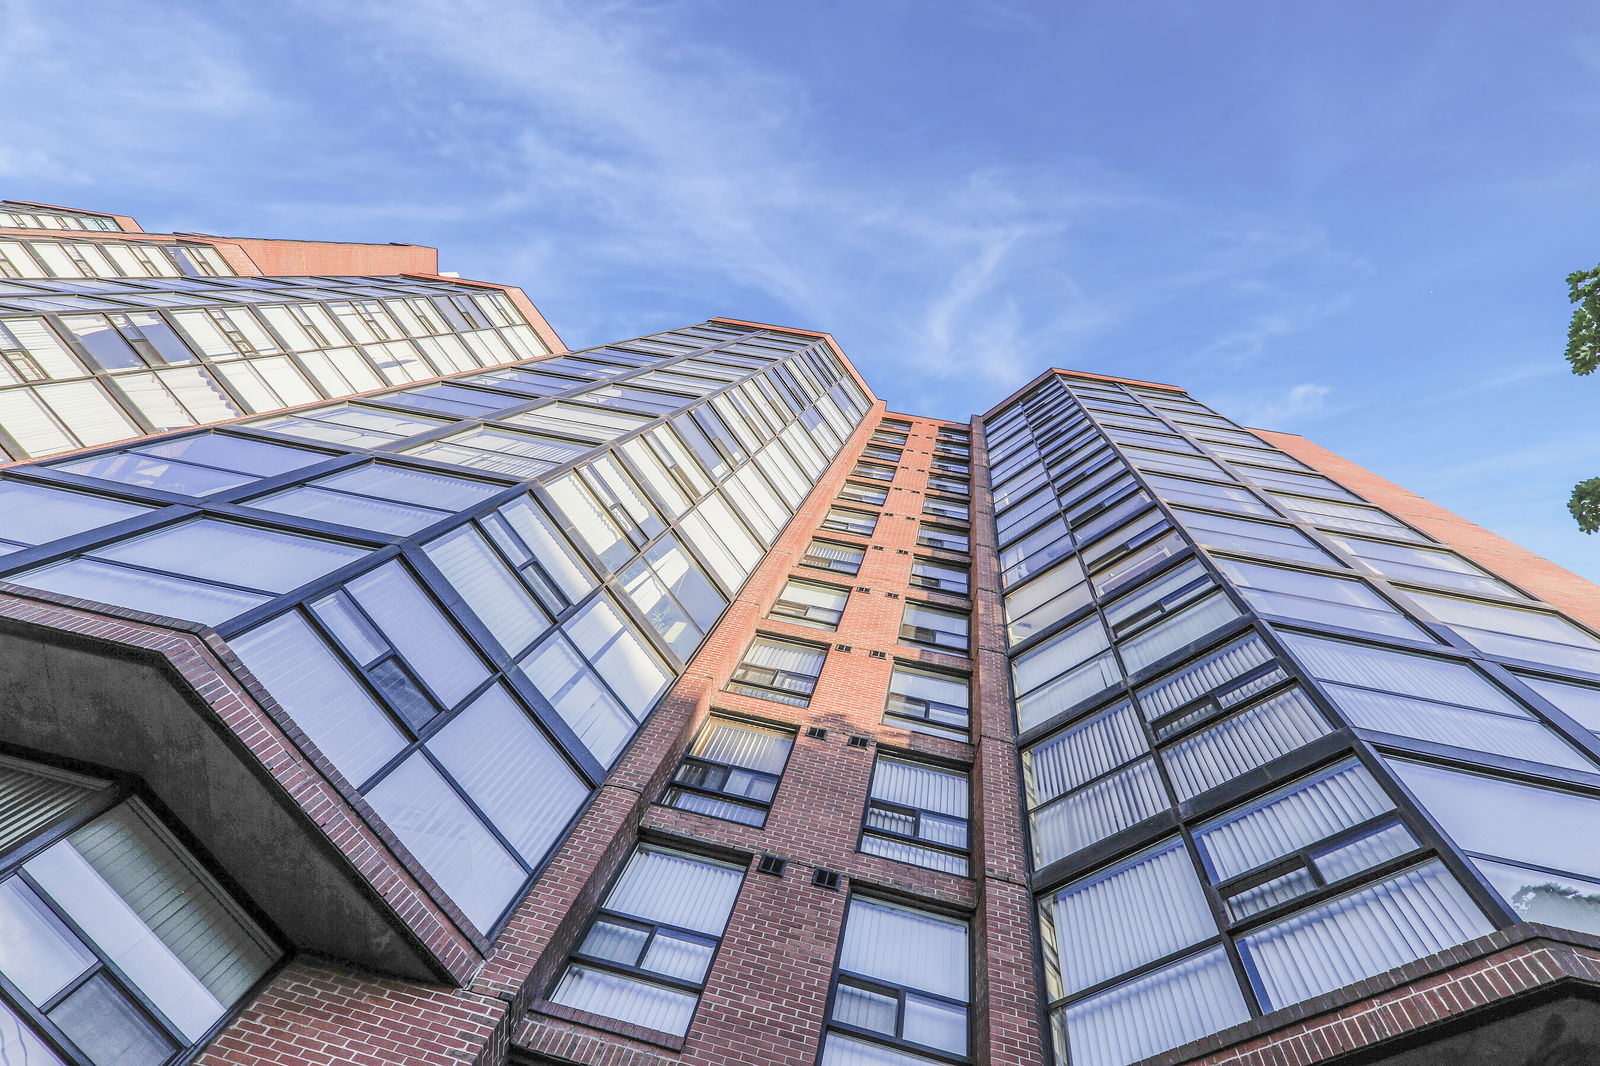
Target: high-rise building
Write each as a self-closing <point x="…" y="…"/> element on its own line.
<point x="381" y="682"/>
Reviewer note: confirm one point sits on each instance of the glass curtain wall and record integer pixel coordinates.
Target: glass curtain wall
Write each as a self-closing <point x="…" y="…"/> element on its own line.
<point x="468" y="595"/>
<point x="106" y="341"/>
<point x="1238" y="688"/>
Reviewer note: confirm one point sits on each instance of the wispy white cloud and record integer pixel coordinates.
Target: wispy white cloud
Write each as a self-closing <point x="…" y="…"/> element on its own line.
<point x="1280" y="409"/>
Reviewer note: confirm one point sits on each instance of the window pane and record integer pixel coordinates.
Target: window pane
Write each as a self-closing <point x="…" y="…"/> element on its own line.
<point x="515" y="776"/>
<point x="675" y="889"/>
<point x="904" y="947"/>
<point x="108" y="1028"/>
<point x="483" y="580"/>
<point x="37" y="951"/>
<point x="1242" y="742"/>
<point x="1153" y="1013"/>
<point x="1360" y="934"/>
<point x="38" y="514"/>
<point x="1318" y="598"/>
<point x="665" y="1010"/>
<point x="141" y="591"/>
<point x="590" y="711"/>
<point x="234" y="554"/>
<point x="1135" y="912"/>
<point x="448" y="840"/>
<point x="432" y="647"/>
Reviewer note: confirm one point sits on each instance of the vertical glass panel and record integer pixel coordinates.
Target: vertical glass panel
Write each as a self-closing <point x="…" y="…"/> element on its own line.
<point x="1536" y="895"/>
<point x="484" y="581"/>
<point x="19" y="1045"/>
<point x="588" y="708"/>
<point x="1323" y="598"/>
<point x="1506" y="819"/>
<point x="665" y="1010"/>
<point x="1291" y="818"/>
<point x="1138" y="911"/>
<point x="448" y="839"/>
<point x="1097" y="811"/>
<point x="105" y="1025"/>
<point x="1242" y="742"/>
<point x="905" y="947"/>
<point x="432" y="647"/>
<point x="619" y="654"/>
<point x="37" y="951"/>
<point x="514" y="775"/>
<point x="1150" y="1014"/>
<point x="1361" y="933"/>
<point x="676" y="889"/>
<point x="302" y="673"/>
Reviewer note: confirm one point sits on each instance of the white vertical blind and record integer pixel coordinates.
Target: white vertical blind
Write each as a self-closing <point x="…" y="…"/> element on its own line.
<point x="1243" y="742"/>
<point x="740" y="744"/>
<point x="906" y="947"/>
<point x="314" y="687"/>
<point x="674" y="889"/>
<point x="923" y="787"/>
<point x="1093" y="813"/>
<point x="666" y="1010"/>
<point x="487" y="585"/>
<point x="1184" y="627"/>
<point x="1161" y="1010"/>
<point x="1084" y="751"/>
<point x="1139" y="910"/>
<point x="1212" y="672"/>
<point x="1291" y="818"/>
<point x="1362" y="933"/>
<point x="515" y="776"/>
<point x="31" y="799"/>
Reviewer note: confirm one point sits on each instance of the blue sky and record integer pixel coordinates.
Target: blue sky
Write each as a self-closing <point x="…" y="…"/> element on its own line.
<point x="1350" y="221"/>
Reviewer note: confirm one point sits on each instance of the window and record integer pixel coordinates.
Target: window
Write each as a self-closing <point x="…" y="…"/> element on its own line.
<point x="1055" y="594"/>
<point x="731" y="771"/>
<point x="943" y="538"/>
<point x="1530" y="842"/>
<point x="843" y="520"/>
<point x="876" y="471"/>
<point x="810" y="604"/>
<point x="1219" y="681"/>
<point x="917" y="814"/>
<point x="155" y="954"/>
<point x="1252" y="538"/>
<point x="1410" y="562"/>
<point x="830" y="555"/>
<point x="781" y="670"/>
<point x="196" y="465"/>
<point x="1335" y="601"/>
<point x="1088" y="781"/>
<point x="936" y="627"/>
<point x="902" y="988"/>
<point x="925" y="701"/>
<point x="350" y="425"/>
<point x="1152" y="1012"/>
<point x="674" y="595"/>
<point x="1431" y="699"/>
<point x="1537" y="636"/>
<point x="647" y="953"/>
<point x="1207" y="494"/>
<point x="1233" y="746"/>
<point x="939" y="577"/>
<point x="939" y="507"/>
<point x="1580" y="702"/>
<point x="1346" y="517"/>
<point x="1063" y="672"/>
<point x="39" y="514"/>
<point x="1138" y="911"/>
<point x="1324" y="828"/>
<point x="1360" y="934"/>
<point x="870" y="495"/>
<point x="504" y="451"/>
<point x="204" y="570"/>
<point x="385" y="499"/>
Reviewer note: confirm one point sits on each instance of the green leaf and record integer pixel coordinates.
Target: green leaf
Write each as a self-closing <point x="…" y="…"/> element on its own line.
<point x="1585" y="504"/>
